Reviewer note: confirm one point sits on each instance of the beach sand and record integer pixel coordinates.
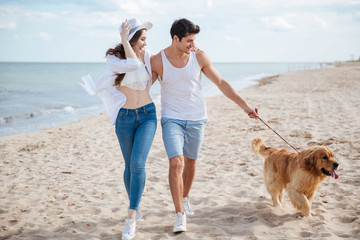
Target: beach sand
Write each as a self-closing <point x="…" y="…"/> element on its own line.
<point x="66" y="182"/>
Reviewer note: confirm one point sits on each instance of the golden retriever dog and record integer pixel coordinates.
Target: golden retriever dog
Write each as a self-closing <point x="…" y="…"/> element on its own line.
<point x="300" y="173"/>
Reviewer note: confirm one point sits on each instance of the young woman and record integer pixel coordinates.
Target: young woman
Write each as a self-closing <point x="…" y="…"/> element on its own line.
<point x="124" y="91"/>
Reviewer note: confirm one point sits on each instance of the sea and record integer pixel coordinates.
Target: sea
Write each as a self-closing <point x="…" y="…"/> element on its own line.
<point x="35" y="96"/>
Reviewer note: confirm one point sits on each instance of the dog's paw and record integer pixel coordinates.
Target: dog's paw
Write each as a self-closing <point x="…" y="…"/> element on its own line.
<point x="256" y="141"/>
<point x="255" y="145"/>
<point x="302" y="215"/>
<point x="277" y="204"/>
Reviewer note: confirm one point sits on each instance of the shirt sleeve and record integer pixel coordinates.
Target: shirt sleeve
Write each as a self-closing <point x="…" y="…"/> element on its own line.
<point x="147" y="57"/>
<point x="122" y="65"/>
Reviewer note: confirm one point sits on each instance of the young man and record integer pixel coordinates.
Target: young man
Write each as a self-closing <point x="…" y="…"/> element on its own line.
<point x="178" y="68"/>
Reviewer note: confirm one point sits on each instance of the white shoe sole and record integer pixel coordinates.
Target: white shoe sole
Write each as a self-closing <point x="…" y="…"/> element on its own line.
<point x="127" y="237"/>
<point x="179" y="229"/>
<point x="189" y="214"/>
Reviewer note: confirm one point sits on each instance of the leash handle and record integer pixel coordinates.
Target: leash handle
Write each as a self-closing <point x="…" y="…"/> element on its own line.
<point x="278" y="135"/>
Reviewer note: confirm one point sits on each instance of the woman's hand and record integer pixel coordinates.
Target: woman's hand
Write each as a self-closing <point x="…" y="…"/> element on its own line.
<point x="125" y="30"/>
<point x="194" y="49"/>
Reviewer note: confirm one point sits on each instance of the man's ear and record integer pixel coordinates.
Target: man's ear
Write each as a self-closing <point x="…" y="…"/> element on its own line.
<point x="176" y="38"/>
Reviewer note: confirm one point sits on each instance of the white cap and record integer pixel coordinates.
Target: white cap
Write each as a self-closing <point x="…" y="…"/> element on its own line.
<point x="137" y="26"/>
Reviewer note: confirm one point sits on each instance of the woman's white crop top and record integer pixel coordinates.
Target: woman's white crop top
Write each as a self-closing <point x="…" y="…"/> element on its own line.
<point x="136" y="80"/>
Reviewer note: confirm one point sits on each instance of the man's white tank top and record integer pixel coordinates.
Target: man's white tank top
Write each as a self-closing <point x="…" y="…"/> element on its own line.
<point x="181" y="91"/>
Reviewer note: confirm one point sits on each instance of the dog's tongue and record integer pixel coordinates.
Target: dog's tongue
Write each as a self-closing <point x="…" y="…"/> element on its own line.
<point x="334" y="175"/>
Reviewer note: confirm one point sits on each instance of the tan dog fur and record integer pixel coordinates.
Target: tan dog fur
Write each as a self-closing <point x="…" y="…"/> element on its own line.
<point x="299" y="173"/>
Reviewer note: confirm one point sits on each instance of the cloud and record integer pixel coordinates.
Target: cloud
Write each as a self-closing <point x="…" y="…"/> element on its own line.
<point x="8" y="17"/>
<point x="10" y="25"/>
<point x="209" y="3"/>
<point x="130" y="7"/>
<point x="235" y="21"/>
<point x="232" y="39"/>
<point x="277" y="24"/>
<point x="37" y="16"/>
<point x="11" y="15"/>
<point x="43" y="36"/>
<point x="356" y="15"/>
<point x="46" y="37"/>
<point x="133" y="7"/>
<point x="319" y="22"/>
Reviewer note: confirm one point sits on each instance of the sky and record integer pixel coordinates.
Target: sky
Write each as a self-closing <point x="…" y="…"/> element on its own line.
<point x="231" y="30"/>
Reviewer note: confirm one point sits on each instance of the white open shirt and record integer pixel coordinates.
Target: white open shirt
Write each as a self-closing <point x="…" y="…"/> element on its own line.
<point x="104" y="88"/>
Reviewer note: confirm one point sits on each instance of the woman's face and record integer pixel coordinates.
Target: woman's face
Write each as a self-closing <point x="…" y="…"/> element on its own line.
<point x="141" y="42"/>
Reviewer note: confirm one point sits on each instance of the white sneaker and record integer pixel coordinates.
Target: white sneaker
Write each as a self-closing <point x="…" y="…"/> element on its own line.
<point x="139" y="216"/>
<point x="180" y="222"/>
<point x="187" y="208"/>
<point x="129" y="229"/>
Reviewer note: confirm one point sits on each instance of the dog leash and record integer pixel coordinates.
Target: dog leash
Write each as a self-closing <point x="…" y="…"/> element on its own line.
<point x="278" y="135"/>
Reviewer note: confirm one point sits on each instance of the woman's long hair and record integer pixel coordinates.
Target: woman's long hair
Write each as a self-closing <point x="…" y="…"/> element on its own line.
<point x="119" y="52"/>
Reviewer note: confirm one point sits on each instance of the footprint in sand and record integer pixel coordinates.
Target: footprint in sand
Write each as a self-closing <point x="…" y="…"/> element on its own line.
<point x="346" y="219"/>
<point x="251" y="219"/>
<point x="261" y="205"/>
<point x="153" y="179"/>
<point x="94" y="210"/>
<point x="301" y="134"/>
<point x="305" y="234"/>
<point x="273" y="120"/>
<point x="115" y="209"/>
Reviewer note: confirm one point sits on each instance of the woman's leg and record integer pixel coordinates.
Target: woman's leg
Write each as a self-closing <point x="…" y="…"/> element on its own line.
<point x="143" y="139"/>
<point x="125" y="131"/>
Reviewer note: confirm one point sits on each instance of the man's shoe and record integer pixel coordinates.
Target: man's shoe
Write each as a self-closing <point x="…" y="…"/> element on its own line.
<point x="187" y="208"/>
<point x="180" y="222"/>
<point x="129" y="229"/>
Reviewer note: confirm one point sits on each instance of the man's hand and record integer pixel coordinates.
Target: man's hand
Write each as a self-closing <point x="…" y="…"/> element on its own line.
<point x="252" y="112"/>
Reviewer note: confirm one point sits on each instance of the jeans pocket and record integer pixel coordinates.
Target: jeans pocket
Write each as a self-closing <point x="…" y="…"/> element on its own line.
<point x="164" y="120"/>
<point x="150" y="111"/>
<point x="122" y="115"/>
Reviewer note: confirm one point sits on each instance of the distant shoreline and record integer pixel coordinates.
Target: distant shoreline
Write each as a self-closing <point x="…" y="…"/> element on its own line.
<point x="24" y="121"/>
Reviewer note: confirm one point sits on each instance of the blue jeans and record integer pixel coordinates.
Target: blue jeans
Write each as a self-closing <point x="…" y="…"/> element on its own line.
<point x="135" y="129"/>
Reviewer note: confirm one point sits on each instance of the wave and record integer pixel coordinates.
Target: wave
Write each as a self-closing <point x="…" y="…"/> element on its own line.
<point x="10" y="119"/>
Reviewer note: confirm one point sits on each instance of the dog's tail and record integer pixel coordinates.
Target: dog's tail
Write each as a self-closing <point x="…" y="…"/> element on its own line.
<point x="258" y="147"/>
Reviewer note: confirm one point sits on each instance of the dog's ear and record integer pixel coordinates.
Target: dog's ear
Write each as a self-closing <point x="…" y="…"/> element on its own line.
<point x="309" y="161"/>
<point x="329" y="151"/>
<point x="309" y="158"/>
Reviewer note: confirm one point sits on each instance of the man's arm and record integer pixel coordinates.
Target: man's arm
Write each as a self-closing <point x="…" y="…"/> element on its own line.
<point x="156" y="67"/>
<point x="211" y="73"/>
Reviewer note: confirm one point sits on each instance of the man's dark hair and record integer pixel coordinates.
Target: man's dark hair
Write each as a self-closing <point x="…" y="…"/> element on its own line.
<point x="183" y="27"/>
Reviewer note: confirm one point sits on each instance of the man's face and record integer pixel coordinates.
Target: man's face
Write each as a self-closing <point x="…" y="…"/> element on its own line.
<point x="187" y="43"/>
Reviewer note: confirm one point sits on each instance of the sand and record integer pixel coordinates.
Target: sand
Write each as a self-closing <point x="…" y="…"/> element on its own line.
<point x="66" y="182"/>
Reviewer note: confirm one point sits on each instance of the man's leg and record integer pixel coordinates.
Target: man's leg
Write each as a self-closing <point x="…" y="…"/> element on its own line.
<point x="176" y="182"/>
<point x="177" y="188"/>
<point x="194" y="133"/>
<point x="188" y="175"/>
<point x="173" y="136"/>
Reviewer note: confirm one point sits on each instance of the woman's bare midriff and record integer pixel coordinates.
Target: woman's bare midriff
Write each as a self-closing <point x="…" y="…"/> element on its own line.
<point x="135" y="98"/>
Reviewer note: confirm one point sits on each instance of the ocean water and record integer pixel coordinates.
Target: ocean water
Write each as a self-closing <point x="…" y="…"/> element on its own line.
<point x="34" y="96"/>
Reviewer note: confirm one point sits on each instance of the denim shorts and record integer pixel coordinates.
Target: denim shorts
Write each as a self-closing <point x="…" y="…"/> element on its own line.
<point x="182" y="137"/>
